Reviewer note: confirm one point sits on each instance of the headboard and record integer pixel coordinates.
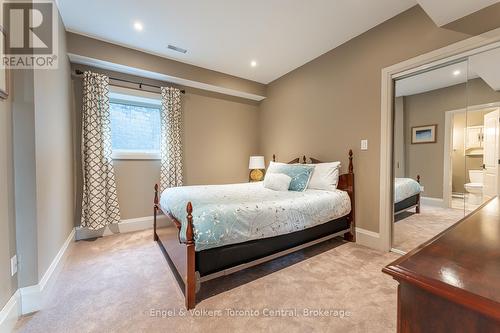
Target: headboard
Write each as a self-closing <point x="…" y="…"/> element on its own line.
<point x="294" y="161"/>
<point x="346" y="180"/>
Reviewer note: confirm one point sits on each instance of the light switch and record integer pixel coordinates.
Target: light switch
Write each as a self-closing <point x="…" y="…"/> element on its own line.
<point x="13" y="265"/>
<point x="364" y="144"/>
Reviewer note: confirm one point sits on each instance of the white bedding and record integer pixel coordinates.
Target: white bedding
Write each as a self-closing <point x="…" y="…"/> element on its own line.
<point x="235" y="213"/>
<point x="405" y="188"/>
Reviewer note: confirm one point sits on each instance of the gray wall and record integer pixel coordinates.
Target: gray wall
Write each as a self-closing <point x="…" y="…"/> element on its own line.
<point x="220" y="134"/>
<point x="483" y="20"/>
<point x="54" y="157"/>
<point x="328" y="105"/>
<point x="8" y="284"/>
<point x="43" y="164"/>
<point x="25" y="176"/>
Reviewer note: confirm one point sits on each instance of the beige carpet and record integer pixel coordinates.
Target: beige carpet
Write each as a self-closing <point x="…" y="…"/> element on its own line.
<point x="112" y="284"/>
<point x="411" y="230"/>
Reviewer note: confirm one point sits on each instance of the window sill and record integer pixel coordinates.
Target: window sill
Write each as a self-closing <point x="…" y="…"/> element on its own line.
<point x="135" y="155"/>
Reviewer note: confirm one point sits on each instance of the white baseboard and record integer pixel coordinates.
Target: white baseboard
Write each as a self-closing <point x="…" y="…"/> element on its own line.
<point x="32" y="297"/>
<point x="401" y="252"/>
<point x="10" y="313"/>
<point x="130" y="225"/>
<point x="368" y="238"/>
<point x="435" y="202"/>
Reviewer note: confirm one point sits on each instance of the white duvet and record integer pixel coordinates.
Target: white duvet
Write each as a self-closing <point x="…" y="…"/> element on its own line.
<point x="405" y="188"/>
<point x="235" y="213"/>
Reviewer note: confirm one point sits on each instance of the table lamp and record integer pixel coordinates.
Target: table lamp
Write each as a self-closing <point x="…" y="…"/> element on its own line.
<point x="257" y="168"/>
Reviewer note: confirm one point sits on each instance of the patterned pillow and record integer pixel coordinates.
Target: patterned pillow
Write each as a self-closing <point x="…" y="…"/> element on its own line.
<point x="300" y="174"/>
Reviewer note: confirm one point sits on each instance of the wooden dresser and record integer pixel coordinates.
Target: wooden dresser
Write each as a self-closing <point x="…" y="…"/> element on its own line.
<point x="452" y="282"/>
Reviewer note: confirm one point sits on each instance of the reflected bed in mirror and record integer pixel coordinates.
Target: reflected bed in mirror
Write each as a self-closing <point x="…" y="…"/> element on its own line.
<point x="421" y="207"/>
<point x="406" y="195"/>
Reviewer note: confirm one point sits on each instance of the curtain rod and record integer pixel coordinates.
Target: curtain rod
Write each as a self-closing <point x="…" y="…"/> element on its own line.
<point x="79" y="72"/>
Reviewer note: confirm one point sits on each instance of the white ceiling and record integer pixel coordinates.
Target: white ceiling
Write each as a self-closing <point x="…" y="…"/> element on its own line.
<point x="445" y="11"/>
<point x="226" y="36"/>
<point x="485" y="65"/>
<point x="432" y="80"/>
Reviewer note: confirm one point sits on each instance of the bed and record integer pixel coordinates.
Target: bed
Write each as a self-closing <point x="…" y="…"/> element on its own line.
<point x="406" y="195"/>
<point x="217" y="230"/>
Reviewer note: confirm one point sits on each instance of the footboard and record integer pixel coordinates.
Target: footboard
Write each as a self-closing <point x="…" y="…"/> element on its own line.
<point x="180" y="254"/>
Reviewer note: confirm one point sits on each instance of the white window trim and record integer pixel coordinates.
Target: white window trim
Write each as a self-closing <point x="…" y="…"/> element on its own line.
<point x="134" y="96"/>
<point x="124" y="95"/>
<point x="134" y="155"/>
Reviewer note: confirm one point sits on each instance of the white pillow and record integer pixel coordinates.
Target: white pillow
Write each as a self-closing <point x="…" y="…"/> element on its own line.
<point x="277" y="181"/>
<point x="273" y="166"/>
<point x="325" y="176"/>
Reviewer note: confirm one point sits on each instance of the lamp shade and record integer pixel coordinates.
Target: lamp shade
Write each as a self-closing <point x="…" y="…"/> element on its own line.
<point x="256" y="162"/>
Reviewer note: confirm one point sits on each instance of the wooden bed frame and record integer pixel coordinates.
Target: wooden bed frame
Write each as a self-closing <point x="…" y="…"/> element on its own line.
<point x="181" y="255"/>
<point x="416" y="205"/>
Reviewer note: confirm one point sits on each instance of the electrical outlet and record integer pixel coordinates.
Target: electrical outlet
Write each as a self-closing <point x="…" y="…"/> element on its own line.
<point x="421" y="188"/>
<point x="13" y="265"/>
<point x="364" y="144"/>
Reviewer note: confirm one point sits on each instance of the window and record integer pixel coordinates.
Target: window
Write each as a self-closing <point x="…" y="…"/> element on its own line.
<point x="135" y="128"/>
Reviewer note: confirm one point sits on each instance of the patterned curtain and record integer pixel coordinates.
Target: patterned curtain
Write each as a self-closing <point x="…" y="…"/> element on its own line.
<point x="100" y="202"/>
<point x="170" y="145"/>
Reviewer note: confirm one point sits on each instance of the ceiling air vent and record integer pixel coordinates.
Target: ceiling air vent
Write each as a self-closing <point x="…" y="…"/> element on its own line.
<point x="177" y="49"/>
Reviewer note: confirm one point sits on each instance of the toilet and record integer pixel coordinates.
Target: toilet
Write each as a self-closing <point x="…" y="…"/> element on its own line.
<point x="475" y="187"/>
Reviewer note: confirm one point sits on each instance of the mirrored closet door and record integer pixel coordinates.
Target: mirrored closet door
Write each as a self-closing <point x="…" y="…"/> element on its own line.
<point x="430" y="114"/>
<point x="446" y="146"/>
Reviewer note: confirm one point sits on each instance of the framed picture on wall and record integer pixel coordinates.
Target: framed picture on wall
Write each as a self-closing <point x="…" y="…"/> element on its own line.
<point x="423" y="134"/>
<point x="4" y="72"/>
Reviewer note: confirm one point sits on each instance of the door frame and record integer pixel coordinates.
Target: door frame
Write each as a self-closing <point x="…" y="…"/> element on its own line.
<point x="448" y="146"/>
<point x="450" y="53"/>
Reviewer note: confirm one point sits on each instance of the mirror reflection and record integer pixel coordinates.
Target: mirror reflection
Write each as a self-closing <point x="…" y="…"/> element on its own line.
<point x="427" y="138"/>
<point x="446" y="142"/>
<point x="481" y="129"/>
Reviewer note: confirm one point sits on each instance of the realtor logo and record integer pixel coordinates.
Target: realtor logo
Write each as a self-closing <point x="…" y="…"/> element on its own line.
<point x="30" y="29"/>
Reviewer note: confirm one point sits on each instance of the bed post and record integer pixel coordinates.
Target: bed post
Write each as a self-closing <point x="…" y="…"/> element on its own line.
<point x="190" y="291"/>
<point x="351" y="167"/>
<point x="155" y="212"/>
<point x="274" y="158"/>
<point x="351" y="236"/>
<point x="417" y="209"/>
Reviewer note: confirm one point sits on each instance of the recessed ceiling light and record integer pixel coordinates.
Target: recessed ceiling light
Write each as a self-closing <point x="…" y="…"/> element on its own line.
<point x="457" y="72"/>
<point x="253" y="63"/>
<point x="138" y="26"/>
